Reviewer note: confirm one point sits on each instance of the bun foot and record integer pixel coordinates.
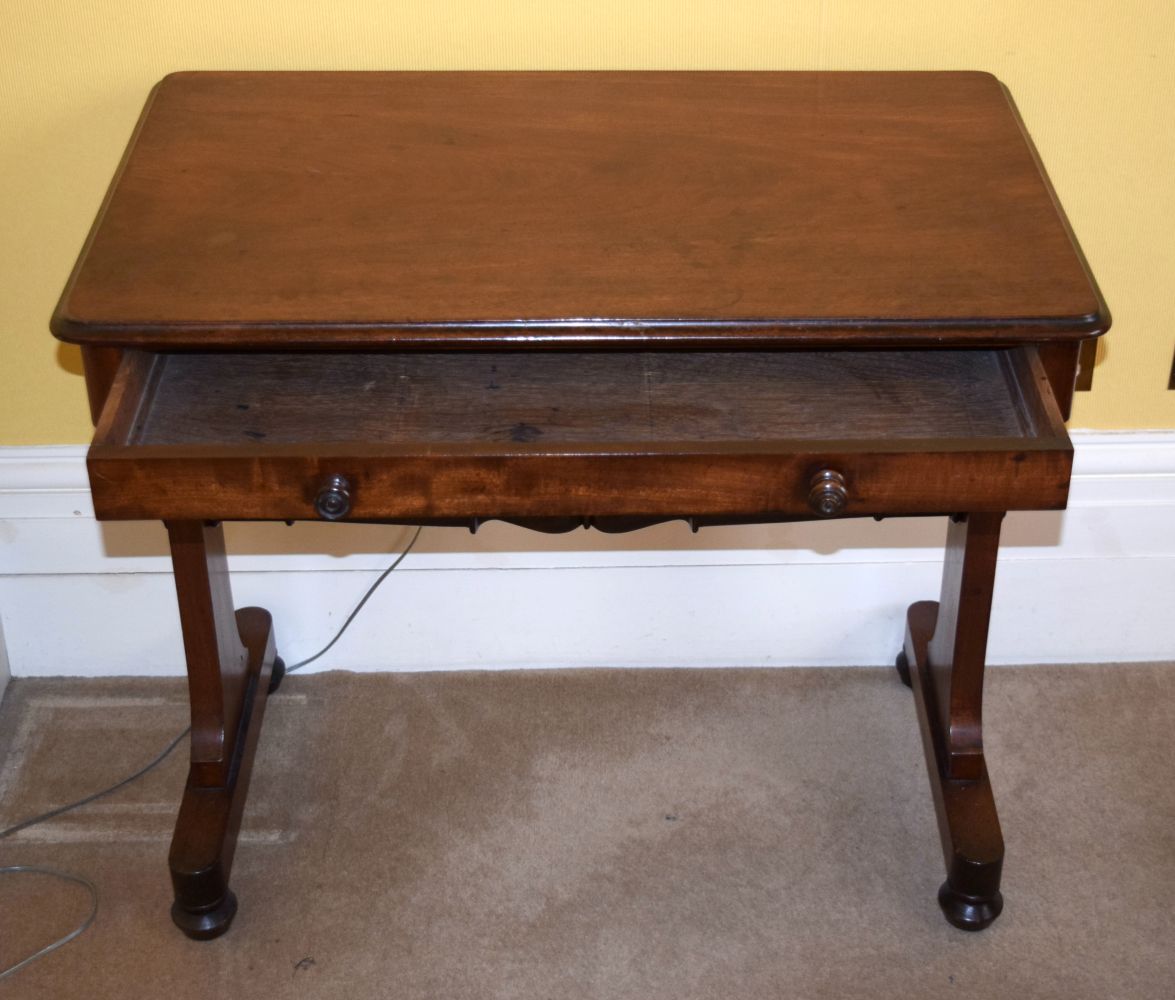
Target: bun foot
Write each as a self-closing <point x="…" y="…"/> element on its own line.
<point x="969" y="913"/>
<point x="206" y="924"/>
<point x="903" y="665"/>
<point x="277" y="674"/>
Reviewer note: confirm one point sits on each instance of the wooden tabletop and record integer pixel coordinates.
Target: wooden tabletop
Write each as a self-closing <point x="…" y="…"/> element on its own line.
<point x="578" y="209"/>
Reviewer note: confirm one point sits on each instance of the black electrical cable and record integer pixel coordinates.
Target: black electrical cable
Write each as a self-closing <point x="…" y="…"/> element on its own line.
<point x="60" y="810"/>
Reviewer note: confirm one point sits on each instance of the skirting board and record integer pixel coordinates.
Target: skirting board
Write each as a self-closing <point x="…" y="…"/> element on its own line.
<point x="1095" y="583"/>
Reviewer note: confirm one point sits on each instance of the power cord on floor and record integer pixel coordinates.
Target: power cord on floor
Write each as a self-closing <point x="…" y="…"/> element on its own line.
<point x="60" y="810"/>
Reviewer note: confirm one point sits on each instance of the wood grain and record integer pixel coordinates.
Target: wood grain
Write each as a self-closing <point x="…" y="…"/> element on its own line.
<point x="100" y="365"/>
<point x="968" y="824"/>
<point x="956" y="654"/>
<point x="555" y="398"/>
<point x="587" y="209"/>
<point x="760" y="485"/>
<point x="565" y="435"/>
<point x="217" y="657"/>
<point x="209" y="820"/>
<point x="282" y="258"/>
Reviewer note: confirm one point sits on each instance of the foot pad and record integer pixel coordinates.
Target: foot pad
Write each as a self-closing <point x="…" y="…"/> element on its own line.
<point x="969" y="913"/>
<point x="277" y="674"/>
<point x="207" y="924"/>
<point x="903" y="666"/>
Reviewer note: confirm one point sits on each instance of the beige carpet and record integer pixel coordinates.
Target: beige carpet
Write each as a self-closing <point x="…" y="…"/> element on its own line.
<point x="629" y="834"/>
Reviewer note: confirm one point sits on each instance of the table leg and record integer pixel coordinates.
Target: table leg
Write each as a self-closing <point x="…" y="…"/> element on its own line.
<point x="943" y="661"/>
<point x="231" y="663"/>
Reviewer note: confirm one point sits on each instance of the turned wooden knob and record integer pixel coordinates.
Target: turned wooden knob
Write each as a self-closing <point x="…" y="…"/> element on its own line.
<point x="334" y="499"/>
<point x="828" y="494"/>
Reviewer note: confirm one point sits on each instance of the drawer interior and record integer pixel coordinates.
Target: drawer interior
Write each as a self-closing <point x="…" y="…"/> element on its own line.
<point x="454" y="436"/>
<point x="577" y="399"/>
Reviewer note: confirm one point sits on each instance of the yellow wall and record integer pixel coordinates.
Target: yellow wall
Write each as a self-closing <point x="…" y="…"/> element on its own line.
<point x="1095" y="82"/>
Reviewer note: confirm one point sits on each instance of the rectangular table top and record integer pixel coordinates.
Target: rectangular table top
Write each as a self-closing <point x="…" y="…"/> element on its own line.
<point x="354" y="210"/>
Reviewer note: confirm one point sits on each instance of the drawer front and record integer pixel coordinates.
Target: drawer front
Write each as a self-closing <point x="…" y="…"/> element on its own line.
<point x="716" y="436"/>
<point x="382" y="487"/>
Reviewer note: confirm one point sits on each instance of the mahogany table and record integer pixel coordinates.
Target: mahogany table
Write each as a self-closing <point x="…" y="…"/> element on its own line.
<point x="587" y="298"/>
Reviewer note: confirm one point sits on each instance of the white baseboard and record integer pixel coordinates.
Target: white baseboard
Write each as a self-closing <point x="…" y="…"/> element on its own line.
<point x="1095" y="583"/>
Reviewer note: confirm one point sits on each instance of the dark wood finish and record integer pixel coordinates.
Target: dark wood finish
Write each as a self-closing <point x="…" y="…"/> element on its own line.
<point x="230" y="662"/>
<point x="209" y="820"/>
<point x="969" y="828"/>
<point x="100" y="365"/>
<point x="564" y="435"/>
<point x="874" y="301"/>
<point x="476" y="398"/>
<point x="957" y="651"/>
<point x="1063" y="363"/>
<point x="1086" y="363"/>
<point x="589" y="209"/>
<point x="1032" y="382"/>
<point x="515" y="485"/>
<point x="217" y="658"/>
<point x="127" y="396"/>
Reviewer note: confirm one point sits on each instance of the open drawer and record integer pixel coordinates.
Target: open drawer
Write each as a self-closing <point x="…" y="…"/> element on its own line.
<point x="528" y="435"/>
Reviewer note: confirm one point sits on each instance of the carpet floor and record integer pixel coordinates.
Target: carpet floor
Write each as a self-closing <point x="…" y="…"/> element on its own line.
<point x="603" y="834"/>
